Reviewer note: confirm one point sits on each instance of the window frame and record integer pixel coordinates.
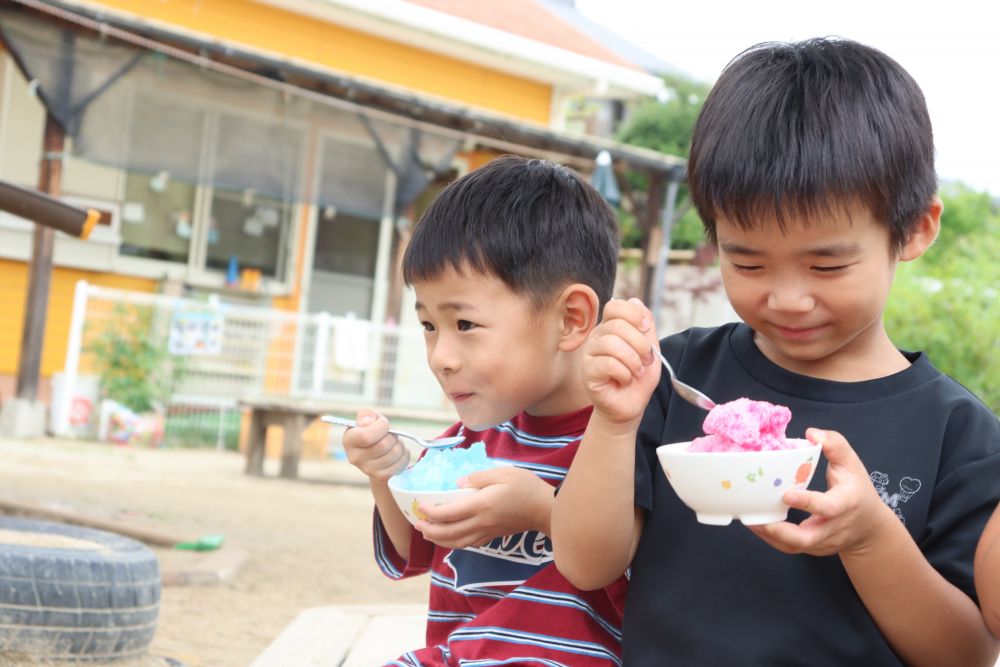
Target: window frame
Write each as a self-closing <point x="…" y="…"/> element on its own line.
<point x="194" y="271"/>
<point x="322" y="135"/>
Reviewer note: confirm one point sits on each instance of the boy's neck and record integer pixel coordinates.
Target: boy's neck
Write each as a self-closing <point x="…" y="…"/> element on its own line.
<point x="568" y="396"/>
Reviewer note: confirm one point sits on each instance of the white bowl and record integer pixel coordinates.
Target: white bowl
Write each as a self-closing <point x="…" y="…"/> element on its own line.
<point x="722" y="486"/>
<point x="409" y="501"/>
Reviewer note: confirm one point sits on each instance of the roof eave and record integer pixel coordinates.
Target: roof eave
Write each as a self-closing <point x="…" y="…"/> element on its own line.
<point x="486" y="128"/>
<point x="453" y="36"/>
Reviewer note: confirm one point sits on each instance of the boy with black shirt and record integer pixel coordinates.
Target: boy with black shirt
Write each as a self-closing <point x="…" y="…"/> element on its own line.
<point x="812" y="167"/>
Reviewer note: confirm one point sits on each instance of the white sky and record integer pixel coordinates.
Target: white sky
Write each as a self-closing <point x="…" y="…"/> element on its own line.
<point x="951" y="48"/>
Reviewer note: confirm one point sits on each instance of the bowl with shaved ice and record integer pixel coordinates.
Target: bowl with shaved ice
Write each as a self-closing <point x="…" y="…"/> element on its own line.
<point x="433" y="480"/>
<point x="742" y="466"/>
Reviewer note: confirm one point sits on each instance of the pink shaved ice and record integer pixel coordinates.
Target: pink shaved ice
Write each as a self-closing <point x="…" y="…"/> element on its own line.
<point x="744" y="426"/>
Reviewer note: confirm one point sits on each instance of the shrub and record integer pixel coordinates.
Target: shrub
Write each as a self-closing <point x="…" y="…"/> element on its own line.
<point x="947" y="302"/>
<point x="129" y="354"/>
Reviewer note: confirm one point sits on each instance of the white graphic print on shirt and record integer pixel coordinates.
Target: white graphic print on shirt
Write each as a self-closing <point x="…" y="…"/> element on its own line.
<point x="907" y="487"/>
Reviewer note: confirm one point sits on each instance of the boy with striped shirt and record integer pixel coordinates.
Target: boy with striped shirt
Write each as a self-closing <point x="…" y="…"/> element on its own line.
<point x="511" y="267"/>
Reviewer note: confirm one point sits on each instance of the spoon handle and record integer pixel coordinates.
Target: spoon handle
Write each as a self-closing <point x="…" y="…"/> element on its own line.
<point x="340" y="421"/>
<point x="350" y="423"/>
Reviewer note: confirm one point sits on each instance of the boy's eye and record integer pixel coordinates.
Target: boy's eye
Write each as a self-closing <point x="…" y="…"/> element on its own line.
<point x="746" y="268"/>
<point x="829" y="269"/>
<point x="466" y="325"/>
<point x="427" y="326"/>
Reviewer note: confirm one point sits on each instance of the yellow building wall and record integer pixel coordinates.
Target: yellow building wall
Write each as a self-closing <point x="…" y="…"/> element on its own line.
<point x="350" y="51"/>
<point x="477" y="159"/>
<point x="13" y="291"/>
<point x="264" y="27"/>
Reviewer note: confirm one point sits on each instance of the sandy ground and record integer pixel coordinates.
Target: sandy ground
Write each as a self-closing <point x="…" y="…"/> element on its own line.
<point x="309" y="541"/>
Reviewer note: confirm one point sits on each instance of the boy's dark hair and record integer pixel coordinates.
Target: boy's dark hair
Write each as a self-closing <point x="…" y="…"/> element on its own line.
<point x="534" y="224"/>
<point x="793" y="131"/>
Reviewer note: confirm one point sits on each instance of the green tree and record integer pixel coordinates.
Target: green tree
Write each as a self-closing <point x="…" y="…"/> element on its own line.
<point x="947" y="303"/>
<point x="666" y="126"/>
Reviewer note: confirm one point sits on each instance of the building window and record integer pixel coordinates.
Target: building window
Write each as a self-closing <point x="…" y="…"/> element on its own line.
<point x="207" y="187"/>
<point x="352" y="192"/>
<point x="158" y="208"/>
<point x="346" y="244"/>
<point x="255" y="184"/>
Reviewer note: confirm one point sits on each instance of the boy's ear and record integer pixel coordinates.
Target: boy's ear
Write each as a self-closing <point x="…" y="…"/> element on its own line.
<point x="578" y="312"/>
<point x="924" y="232"/>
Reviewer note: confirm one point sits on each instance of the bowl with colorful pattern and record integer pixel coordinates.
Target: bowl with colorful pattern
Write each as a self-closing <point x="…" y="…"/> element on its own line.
<point x="745" y="485"/>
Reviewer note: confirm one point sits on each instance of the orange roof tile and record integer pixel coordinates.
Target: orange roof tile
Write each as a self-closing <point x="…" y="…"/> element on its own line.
<point x="527" y="18"/>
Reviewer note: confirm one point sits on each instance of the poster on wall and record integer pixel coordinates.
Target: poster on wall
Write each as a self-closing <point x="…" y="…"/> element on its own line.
<point x="195" y="332"/>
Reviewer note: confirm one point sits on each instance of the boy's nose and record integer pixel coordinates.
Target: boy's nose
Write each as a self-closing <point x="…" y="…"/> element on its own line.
<point x="442" y="358"/>
<point x="792" y="298"/>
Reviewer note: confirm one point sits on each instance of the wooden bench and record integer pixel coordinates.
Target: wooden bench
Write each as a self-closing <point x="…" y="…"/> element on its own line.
<point x="293" y="415"/>
<point x="347" y="636"/>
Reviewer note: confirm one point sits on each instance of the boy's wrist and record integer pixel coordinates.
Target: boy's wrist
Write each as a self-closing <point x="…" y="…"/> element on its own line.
<point x="605" y="427"/>
<point x="546" y="500"/>
<point x="378" y="484"/>
<point x="884" y="531"/>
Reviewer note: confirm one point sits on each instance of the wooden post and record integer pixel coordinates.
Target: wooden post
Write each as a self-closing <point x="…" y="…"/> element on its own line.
<point x="40" y="267"/>
<point x="394" y="305"/>
<point x="256" y="443"/>
<point x="663" y="255"/>
<point x="294" y="423"/>
<point x="651" y="235"/>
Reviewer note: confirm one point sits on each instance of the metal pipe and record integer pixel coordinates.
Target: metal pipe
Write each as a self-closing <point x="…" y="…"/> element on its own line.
<point x="47" y="210"/>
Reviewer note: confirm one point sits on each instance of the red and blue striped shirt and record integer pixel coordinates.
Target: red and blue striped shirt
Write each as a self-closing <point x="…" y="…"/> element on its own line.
<point x="505" y="603"/>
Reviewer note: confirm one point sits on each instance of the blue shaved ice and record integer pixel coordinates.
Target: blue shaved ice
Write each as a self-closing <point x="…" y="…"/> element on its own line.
<point x="440" y="469"/>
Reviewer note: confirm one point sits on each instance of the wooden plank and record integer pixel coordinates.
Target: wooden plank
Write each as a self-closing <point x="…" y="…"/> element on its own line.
<point x="147" y="535"/>
<point x="212" y="569"/>
<point x="317" y="637"/>
<point x="309" y="407"/>
<point x="387" y="637"/>
<point x="347" y="636"/>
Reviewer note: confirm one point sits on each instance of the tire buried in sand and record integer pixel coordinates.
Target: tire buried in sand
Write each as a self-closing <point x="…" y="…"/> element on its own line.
<point x="73" y="593"/>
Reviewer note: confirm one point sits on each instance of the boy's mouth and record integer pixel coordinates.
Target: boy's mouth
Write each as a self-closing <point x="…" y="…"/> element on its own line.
<point x="459" y="397"/>
<point x="797" y="333"/>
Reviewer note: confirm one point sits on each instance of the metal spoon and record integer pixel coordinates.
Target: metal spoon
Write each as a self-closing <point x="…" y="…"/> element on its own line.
<point x="436" y="443"/>
<point x="685" y="391"/>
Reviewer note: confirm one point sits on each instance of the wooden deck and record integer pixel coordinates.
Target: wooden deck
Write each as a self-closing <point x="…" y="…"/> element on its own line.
<point x="347" y="636"/>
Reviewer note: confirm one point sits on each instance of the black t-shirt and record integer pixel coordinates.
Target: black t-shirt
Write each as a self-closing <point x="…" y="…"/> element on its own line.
<point x="703" y="595"/>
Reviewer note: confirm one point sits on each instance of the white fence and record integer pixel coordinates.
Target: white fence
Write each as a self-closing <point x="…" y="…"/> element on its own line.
<point x="207" y="355"/>
<point x="210" y="354"/>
